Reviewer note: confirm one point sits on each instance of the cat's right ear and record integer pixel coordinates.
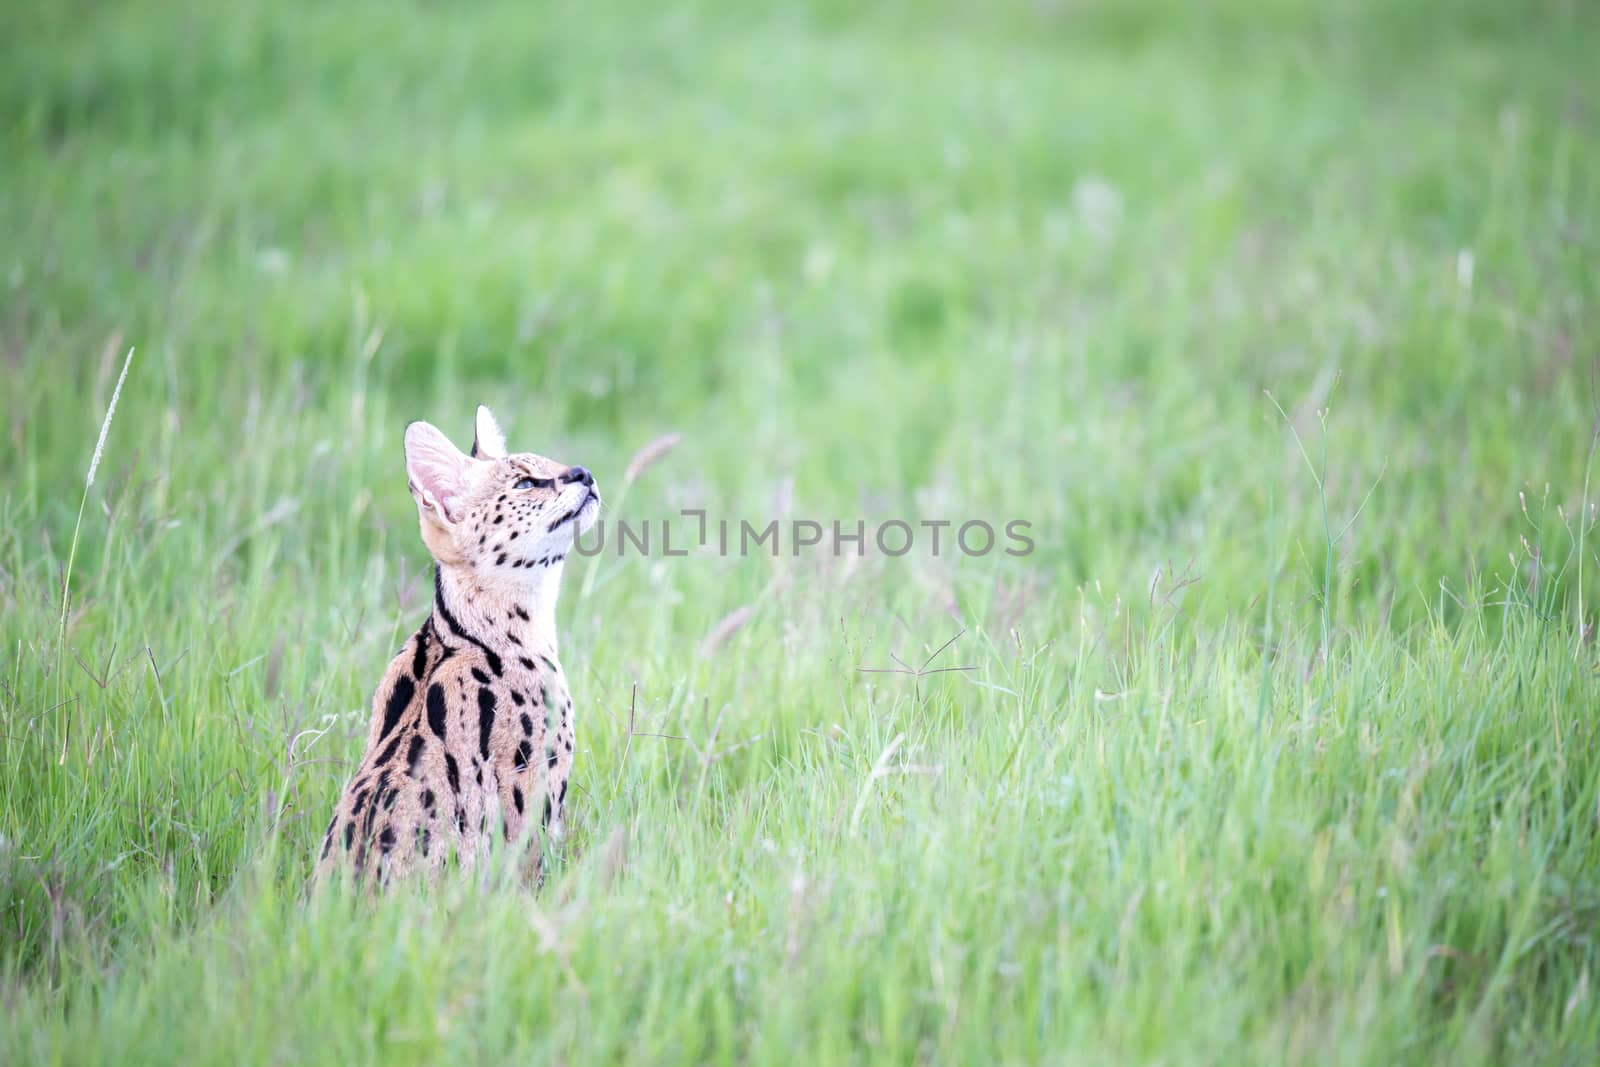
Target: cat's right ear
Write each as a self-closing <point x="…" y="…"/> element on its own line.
<point x="437" y="472"/>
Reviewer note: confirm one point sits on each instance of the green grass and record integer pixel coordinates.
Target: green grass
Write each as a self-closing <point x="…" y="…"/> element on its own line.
<point x="1337" y="799"/>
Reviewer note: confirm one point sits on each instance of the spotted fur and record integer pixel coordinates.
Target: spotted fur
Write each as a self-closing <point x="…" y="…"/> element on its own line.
<point x="470" y="742"/>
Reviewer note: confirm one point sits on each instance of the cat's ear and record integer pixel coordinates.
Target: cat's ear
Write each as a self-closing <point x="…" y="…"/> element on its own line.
<point x="488" y="442"/>
<point x="437" y="472"/>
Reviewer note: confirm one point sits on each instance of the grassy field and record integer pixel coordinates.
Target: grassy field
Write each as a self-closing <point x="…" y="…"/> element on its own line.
<point x="1278" y="322"/>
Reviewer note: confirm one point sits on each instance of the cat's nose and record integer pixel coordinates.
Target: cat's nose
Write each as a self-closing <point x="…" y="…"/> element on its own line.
<point x="578" y="474"/>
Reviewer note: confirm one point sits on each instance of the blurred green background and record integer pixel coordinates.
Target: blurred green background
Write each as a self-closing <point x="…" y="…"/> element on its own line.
<point x="1121" y="269"/>
<point x="1052" y="252"/>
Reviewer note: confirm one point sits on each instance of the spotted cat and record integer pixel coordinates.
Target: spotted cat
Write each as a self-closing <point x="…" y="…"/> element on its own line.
<point x="471" y="735"/>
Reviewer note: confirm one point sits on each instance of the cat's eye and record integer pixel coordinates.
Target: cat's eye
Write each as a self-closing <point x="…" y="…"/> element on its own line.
<point x="525" y="483"/>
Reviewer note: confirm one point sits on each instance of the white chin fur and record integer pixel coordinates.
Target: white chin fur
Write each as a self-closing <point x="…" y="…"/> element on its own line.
<point x="588" y="516"/>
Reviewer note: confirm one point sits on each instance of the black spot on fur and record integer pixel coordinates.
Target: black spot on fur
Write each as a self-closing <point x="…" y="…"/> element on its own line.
<point x="527" y="725"/>
<point x="436" y="710"/>
<point x="517" y="698"/>
<point x="427" y="800"/>
<point x="479" y="677"/>
<point x="562" y="799"/>
<point x="388" y="751"/>
<point x="389" y="799"/>
<point x="521" y="614"/>
<point x="452" y="773"/>
<point x="544" y="819"/>
<point x="523" y="756"/>
<point x="526" y="662"/>
<point x="485" y="720"/>
<point x="349" y="834"/>
<point x="422" y="840"/>
<point x="399" y="700"/>
<point x="386" y="839"/>
<point x="361" y="802"/>
<point x="516" y="798"/>
<point x="501" y="562"/>
<point x="549" y="757"/>
<point x="419" y="659"/>
<point x="372" y="809"/>
<point x="414" y="754"/>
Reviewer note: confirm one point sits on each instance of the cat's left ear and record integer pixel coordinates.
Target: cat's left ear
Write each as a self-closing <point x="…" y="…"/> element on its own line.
<point x="488" y="442"/>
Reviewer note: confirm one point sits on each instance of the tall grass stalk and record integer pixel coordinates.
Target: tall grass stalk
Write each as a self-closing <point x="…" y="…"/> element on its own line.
<point x="72" y="551"/>
<point x="1580" y="621"/>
